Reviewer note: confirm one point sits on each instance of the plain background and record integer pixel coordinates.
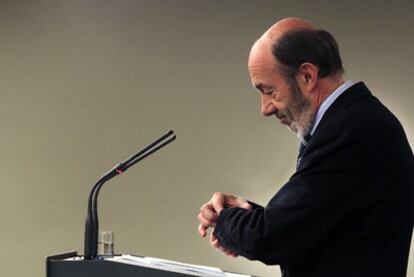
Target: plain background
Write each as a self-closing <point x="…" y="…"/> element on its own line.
<point x="84" y="84"/>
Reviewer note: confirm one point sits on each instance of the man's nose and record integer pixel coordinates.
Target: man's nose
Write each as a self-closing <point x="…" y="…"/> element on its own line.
<point x="267" y="106"/>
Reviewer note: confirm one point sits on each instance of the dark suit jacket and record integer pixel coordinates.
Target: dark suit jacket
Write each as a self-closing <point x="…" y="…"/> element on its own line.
<point x="348" y="210"/>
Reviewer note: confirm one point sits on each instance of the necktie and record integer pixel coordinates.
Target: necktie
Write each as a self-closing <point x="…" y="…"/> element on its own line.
<point x="302" y="148"/>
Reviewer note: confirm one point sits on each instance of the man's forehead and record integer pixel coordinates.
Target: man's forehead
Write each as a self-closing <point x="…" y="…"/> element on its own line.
<point x="253" y="68"/>
<point x="262" y="47"/>
<point x="261" y="56"/>
<point x="262" y="62"/>
<point x="262" y="75"/>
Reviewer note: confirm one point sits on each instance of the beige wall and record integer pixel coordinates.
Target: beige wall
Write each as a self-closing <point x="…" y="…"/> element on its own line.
<point x="84" y="84"/>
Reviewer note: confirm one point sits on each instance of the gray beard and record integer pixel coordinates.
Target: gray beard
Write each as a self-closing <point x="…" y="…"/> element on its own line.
<point x="303" y="124"/>
<point x="300" y="110"/>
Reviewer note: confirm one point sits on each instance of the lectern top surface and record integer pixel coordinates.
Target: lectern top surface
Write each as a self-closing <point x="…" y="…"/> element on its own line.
<point x="167" y="265"/>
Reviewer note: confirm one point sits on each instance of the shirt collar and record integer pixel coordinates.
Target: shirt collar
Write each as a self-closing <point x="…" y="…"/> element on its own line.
<point x="328" y="102"/>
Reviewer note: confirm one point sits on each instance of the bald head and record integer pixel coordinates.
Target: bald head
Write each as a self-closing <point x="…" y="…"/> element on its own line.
<point x="284" y="25"/>
<point x="291" y="42"/>
<point x="262" y="47"/>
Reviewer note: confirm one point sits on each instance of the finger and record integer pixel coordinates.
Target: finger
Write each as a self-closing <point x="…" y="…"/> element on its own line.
<point x="233" y="255"/>
<point x="218" y="201"/>
<point x="230" y="253"/>
<point x="202" y="230"/>
<point x="213" y="240"/>
<point x="207" y="206"/>
<point x="205" y="221"/>
<point x="244" y="204"/>
<point x="208" y="212"/>
<point x="216" y="244"/>
<point x="234" y="201"/>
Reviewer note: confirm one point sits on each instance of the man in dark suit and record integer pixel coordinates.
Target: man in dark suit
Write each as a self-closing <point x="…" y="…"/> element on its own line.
<point x="348" y="209"/>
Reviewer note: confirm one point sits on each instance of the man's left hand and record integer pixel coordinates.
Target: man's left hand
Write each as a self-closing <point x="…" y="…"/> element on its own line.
<point x="216" y="244"/>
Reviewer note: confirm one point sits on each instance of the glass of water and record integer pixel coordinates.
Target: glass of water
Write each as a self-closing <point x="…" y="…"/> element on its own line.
<point x="106" y="243"/>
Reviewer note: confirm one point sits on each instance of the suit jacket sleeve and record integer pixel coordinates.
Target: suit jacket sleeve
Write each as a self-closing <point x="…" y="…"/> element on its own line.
<point x="307" y="208"/>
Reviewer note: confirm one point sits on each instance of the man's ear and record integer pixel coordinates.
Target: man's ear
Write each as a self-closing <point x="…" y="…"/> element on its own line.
<point x="307" y="77"/>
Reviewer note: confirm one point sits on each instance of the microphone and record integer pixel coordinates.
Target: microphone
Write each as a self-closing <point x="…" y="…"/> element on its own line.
<point x="92" y="224"/>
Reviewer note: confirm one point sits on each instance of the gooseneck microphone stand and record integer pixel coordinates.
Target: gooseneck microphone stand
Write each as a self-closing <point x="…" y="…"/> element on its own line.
<point x="91" y="224"/>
